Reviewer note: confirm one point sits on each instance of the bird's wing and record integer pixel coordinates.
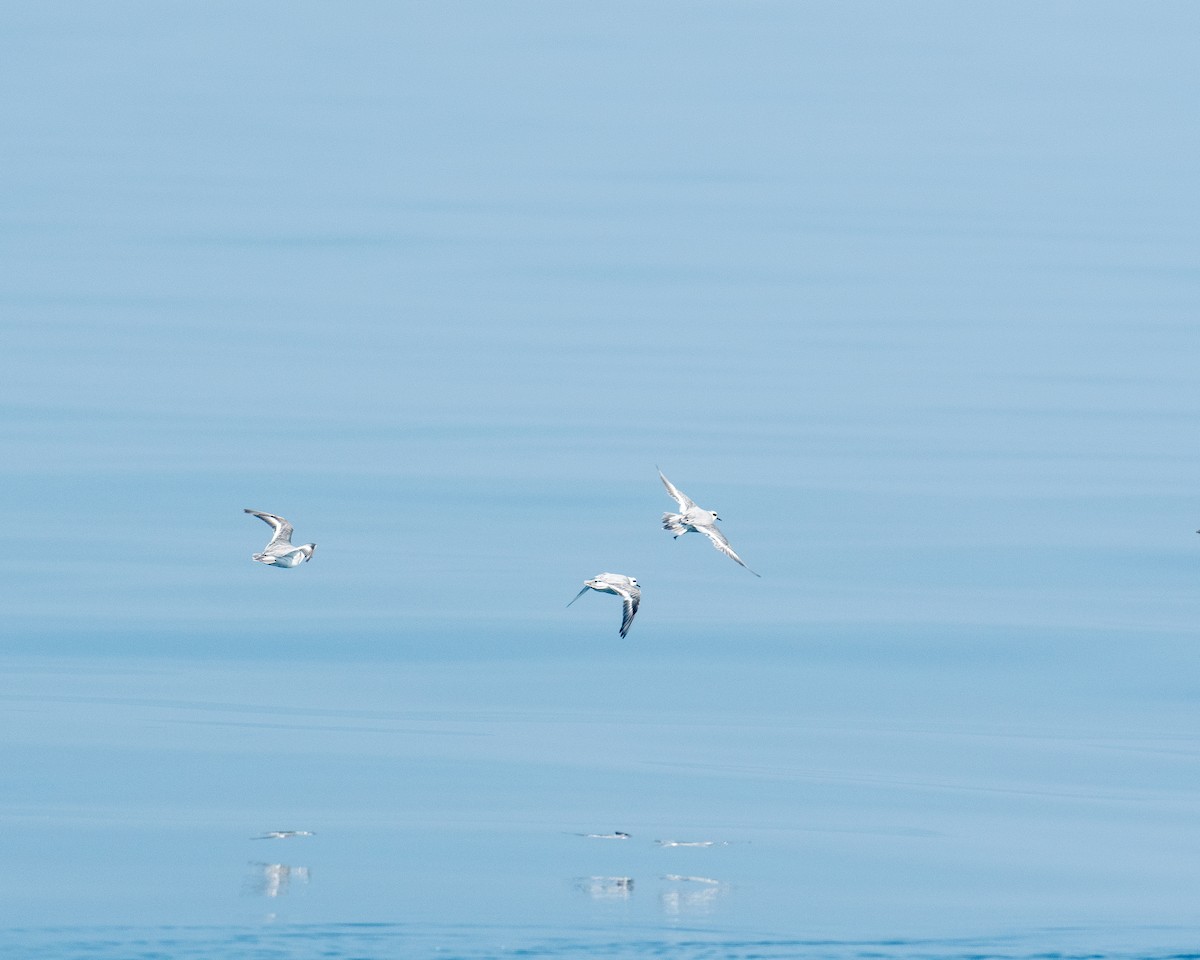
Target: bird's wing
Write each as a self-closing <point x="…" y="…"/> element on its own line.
<point x="631" y="598"/>
<point x="283" y="529"/>
<point x="685" y="502"/>
<point x="718" y="540"/>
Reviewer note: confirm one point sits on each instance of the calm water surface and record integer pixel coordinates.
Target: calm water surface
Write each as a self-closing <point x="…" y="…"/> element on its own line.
<point x="907" y="292"/>
<point x="847" y="801"/>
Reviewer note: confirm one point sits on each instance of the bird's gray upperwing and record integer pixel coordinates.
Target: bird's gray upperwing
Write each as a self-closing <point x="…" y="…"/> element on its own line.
<point x="631" y="598"/>
<point x="283" y="529"/>
<point x="685" y="502"/>
<point x="718" y="540"/>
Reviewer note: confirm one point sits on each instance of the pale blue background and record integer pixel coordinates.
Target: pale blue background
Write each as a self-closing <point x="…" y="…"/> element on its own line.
<point x="907" y="292"/>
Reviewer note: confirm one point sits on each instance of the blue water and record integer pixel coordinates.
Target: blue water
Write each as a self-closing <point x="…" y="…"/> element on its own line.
<point x="906" y="292"/>
<point x="369" y="940"/>
<point x="938" y="789"/>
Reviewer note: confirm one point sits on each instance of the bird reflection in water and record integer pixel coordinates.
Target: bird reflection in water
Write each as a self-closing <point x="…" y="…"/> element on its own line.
<point x="690" y="894"/>
<point x="274" y="879"/>
<point x="606" y="888"/>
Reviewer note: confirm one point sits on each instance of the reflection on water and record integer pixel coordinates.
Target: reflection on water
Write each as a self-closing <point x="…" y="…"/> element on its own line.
<point x="680" y="896"/>
<point x="606" y="888"/>
<point x="274" y="879"/>
<point x="690" y="895"/>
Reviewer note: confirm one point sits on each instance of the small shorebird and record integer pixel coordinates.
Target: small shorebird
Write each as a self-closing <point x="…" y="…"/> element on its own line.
<point x="624" y="587"/>
<point x="694" y="519"/>
<point x="283" y="834"/>
<point x="280" y="552"/>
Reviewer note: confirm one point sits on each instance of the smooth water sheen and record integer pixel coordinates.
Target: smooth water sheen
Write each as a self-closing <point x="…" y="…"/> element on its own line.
<point x="905" y="292"/>
<point x="850" y="798"/>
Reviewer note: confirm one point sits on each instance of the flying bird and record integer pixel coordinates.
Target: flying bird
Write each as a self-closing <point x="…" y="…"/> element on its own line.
<point x="283" y="834"/>
<point x="624" y="587"/>
<point x="694" y="519"/>
<point x="280" y="552"/>
<point x="692" y="843"/>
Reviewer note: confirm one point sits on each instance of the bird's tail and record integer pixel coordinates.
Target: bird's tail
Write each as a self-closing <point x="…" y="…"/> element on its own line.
<point x="263" y="558"/>
<point x="674" y="523"/>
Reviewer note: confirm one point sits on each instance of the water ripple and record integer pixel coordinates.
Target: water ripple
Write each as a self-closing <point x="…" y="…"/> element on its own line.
<point x="367" y="941"/>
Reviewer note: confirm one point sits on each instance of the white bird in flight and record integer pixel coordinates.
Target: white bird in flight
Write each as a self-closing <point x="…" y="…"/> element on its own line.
<point x="283" y="834"/>
<point x="624" y="587"/>
<point x="280" y="552"/>
<point x="694" y="519"/>
<point x="692" y="843"/>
